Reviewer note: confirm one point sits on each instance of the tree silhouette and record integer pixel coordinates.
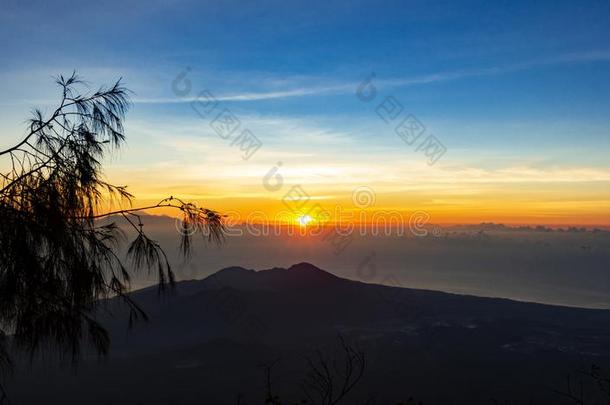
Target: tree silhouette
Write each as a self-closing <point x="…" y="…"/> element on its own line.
<point x="56" y="260"/>
<point x="329" y="379"/>
<point x="575" y="393"/>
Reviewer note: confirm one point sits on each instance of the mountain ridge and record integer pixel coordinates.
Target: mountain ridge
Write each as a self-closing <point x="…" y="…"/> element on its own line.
<point x="307" y="275"/>
<point x="237" y="319"/>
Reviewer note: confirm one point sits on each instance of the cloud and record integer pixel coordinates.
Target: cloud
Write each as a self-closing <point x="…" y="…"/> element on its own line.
<point x="343" y="88"/>
<point x="316" y="155"/>
<point x="304" y="86"/>
<point x="582" y="57"/>
<point x="251" y="96"/>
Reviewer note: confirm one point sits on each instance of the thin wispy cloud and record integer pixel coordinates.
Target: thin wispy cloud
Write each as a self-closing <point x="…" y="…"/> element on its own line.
<point x="335" y="88"/>
<point x="568" y="58"/>
<point x="252" y="96"/>
<point x="592" y="56"/>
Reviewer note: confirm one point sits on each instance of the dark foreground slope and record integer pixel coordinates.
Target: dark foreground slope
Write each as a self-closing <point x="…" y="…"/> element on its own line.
<point x="206" y="342"/>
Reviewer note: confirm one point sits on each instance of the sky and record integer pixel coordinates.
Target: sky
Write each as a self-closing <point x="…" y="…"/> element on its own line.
<point x="510" y="102"/>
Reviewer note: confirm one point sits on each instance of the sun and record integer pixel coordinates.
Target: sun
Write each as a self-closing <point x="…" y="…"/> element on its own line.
<point x="303" y="220"/>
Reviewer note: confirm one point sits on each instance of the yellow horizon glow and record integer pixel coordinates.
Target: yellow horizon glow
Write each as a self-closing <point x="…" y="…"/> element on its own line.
<point x="451" y="194"/>
<point x="509" y="212"/>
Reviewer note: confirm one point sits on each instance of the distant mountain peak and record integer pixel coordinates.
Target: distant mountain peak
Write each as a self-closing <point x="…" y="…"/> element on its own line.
<point x="230" y="277"/>
<point x="308" y="267"/>
<point x="300" y="275"/>
<point x="234" y="270"/>
<point x="304" y="266"/>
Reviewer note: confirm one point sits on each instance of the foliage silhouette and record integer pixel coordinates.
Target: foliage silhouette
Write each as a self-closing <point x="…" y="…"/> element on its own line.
<point x="575" y="393"/>
<point x="56" y="259"/>
<point x="328" y="380"/>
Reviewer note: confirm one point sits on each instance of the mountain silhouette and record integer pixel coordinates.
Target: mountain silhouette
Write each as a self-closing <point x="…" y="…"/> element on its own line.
<point x="214" y="334"/>
<point x="298" y="276"/>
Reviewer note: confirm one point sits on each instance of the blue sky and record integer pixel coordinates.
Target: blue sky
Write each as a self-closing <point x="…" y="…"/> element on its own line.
<point x="509" y="87"/>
